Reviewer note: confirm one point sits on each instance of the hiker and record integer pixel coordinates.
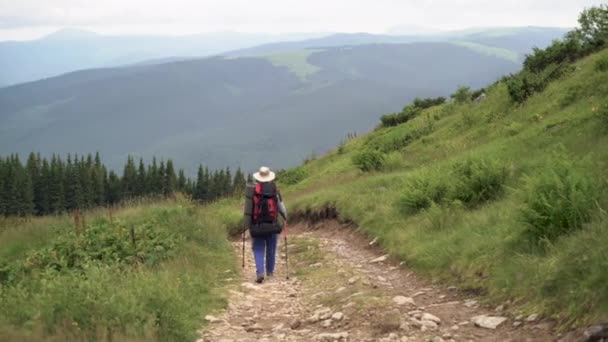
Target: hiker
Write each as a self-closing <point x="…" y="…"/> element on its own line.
<point x="262" y="206"/>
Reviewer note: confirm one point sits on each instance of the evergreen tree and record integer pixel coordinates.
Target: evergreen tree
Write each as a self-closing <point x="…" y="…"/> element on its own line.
<point x="98" y="181"/>
<point x="42" y="191"/>
<point x="33" y="167"/>
<point x="181" y="182"/>
<point x="170" y="179"/>
<point x="72" y="185"/>
<point x="86" y="181"/>
<point x="11" y="192"/>
<point x="159" y="182"/>
<point x="238" y="183"/>
<point x="113" y="188"/>
<point x="141" y="179"/>
<point x="3" y="180"/>
<point x="199" y="193"/>
<point x="25" y="192"/>
<point x="129" y="179"/>
<point x="56" y="186"/>
<point x="227" y="182"/>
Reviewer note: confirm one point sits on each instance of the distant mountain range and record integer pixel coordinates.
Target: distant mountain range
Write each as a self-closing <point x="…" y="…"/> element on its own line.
<point x="70" y="50"/>
<point x="272" y="104"/>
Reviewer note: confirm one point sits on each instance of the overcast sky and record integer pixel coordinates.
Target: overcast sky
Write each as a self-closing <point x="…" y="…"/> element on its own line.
<point x="27" y="19"/>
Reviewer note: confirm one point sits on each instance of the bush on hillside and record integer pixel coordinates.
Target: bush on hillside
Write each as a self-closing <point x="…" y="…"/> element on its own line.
<point x="292" y="176"/>
<point x="602" y="65"/>
<point x="472" y="181"/>
<point x="526" y="83"/>
<point x="558" y="52"/>
<point x="410" y="111"/>
<point x="558" y="201"/>
<point x="369" y="160"/>
<point x="422" y="190"/>
<point x="428" y="102"/>
<point x="478" y="180"/>
<point x="462" y="95"/>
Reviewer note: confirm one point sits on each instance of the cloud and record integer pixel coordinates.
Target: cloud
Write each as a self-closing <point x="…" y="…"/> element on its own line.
<point x="285" y="15"/>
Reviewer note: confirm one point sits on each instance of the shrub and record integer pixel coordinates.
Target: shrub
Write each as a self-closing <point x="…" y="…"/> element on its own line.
<point x="526" y="83"/>
<point x="558" y="201"/>
<point x="428" y="102"/>
<point x="410" y="111"/>
<point x="369" y="160"/>
<point x="292" y="176"/>
<point x="602" y="65"/>
<point x="478" y="180"/>
<point x="558" y="52"/>
<point x="422" y="190"/>
<point x="462" y="95"/>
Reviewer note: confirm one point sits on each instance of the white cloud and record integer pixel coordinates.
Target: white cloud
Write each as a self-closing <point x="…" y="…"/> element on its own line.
<point x="276" y="16"/>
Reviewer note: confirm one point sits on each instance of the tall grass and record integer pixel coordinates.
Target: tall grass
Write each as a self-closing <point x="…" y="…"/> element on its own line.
<point x="102" y="284"/>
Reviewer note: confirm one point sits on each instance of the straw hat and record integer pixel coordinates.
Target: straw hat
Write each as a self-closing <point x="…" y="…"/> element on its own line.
<point x="264" y="175"/>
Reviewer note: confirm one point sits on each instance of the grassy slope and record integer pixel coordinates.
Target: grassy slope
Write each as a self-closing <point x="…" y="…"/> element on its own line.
<point x="161" y="302"/>
<point x="478" y="248"/>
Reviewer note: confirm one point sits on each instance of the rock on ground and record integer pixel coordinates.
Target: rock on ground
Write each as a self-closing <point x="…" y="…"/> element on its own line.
<point x="488" y="322"/>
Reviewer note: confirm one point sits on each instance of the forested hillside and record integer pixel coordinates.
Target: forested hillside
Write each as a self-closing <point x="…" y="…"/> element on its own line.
<point x="233" y="111"/>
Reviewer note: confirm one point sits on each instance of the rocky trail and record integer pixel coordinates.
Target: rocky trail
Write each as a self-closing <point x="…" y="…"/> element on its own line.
<point x="342" y="288"/>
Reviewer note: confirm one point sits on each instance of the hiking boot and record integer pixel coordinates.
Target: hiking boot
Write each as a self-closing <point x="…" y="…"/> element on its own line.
<point x="270" y="274"/>
<point x="259" y="279"/>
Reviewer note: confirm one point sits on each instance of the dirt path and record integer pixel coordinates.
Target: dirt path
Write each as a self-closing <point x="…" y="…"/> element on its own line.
<point x="341" y="289"/>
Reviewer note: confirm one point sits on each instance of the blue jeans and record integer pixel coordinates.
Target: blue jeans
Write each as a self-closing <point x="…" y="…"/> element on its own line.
<point x="264" y="246"/>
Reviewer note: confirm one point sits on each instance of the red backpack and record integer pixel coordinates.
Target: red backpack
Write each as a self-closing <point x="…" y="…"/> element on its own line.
<point x="264" y="203"/>
<point x="264" y="211"/>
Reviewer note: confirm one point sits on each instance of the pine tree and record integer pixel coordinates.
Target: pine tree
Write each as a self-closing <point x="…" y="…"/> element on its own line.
<point x="227" y="182"/>
<point x="25" y="192"/>
<point x="159" y="182"/>
<point x="72" y="185"/>
<point x="141" y="179"/>
<point x="199" y="192"/>
<point x="129" y="179"/>
<point x="238" y="183"/>
<point x="56" y="186"/>
<point x="181" y="181"/>
<point x="98" y="181"/>
<point x="85" y="169"/>
<point x="12" y="187"/>
<point x="170" y="179"/>
<point x="33" y="167"/>
<point x="113" y="188"/>
<point x="42" y="192"/>
<point x="3" y="186"/>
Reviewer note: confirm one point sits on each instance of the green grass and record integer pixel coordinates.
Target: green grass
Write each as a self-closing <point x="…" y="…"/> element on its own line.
<point x="509" y="55"/>
<point x="484" y="246"/>
<point x="96" y="285"/>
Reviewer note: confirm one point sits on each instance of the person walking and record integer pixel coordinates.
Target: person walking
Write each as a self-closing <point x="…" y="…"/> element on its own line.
<point x="263" y="205"/>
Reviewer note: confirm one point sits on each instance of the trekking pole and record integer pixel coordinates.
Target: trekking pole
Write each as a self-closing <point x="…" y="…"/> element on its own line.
<point x="243" y="258"/>
<point x="286" y="253"/>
